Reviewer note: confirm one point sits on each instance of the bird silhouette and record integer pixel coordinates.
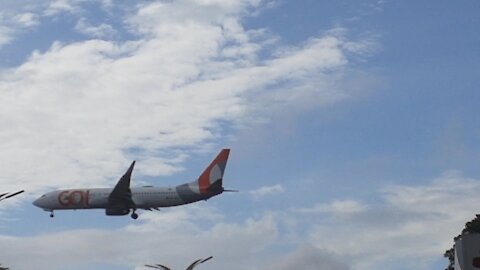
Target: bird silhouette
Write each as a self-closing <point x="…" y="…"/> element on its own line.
<point x="190" y="267"/>
<point x="5" y="196"/>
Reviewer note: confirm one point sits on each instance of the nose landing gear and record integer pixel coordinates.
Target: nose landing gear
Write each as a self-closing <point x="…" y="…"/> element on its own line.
<point x="51" y="214"/>
<point x="134" y="215"/>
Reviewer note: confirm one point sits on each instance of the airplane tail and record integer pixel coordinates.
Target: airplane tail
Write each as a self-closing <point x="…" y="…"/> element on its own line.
<point x="211" y="180"/>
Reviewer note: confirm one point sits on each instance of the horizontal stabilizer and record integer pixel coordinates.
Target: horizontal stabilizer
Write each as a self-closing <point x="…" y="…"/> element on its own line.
<point x="230" y="190"/>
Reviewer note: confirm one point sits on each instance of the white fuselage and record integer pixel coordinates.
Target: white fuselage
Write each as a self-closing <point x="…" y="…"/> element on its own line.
<point x="143" y="197"/>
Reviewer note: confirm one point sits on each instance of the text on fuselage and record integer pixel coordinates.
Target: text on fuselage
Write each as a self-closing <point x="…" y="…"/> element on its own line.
<point x="74" y="198"/>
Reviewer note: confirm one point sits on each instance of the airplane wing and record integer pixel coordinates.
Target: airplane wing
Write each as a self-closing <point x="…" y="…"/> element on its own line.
<point x="121" y="195"/>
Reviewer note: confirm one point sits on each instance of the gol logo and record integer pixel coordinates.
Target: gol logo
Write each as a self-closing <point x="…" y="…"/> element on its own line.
<point x="74" y="198"/>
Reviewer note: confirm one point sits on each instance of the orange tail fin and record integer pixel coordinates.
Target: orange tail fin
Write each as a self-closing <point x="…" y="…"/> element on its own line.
<point x="213" y="174"/>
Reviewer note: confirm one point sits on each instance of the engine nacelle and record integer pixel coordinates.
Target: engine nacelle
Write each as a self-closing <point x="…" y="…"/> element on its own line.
<point x="116" y="212"/>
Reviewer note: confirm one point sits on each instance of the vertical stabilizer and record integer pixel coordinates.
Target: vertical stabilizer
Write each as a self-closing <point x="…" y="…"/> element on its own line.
<point x="211" y="179"/>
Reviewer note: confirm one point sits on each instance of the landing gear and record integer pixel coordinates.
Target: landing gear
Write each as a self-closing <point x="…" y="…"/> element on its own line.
<point x="134" y="215"/>
<point x="51" y="214"/>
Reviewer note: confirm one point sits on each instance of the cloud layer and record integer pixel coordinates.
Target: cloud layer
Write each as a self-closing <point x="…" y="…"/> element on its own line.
<point x="189" y="76"/>
<point x="80" y="111"/>
<point x="411" y="224"/>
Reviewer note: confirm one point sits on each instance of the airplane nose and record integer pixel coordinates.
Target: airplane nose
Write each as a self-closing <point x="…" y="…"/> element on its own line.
<point x="37" y="202"/>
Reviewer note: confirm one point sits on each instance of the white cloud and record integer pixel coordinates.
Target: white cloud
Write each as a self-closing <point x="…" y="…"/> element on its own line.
<point x="161" y="239"/>
<point x="13" y="23"/>
<point x="78" y="113"/>
<point x="97" y="31"/>
<point x="414" y="222"/>
<point x="337" y="208"/>
<point x="72" y="115"/>
<point x="267" y="191"/>
<point x="311" y="258"/>
<point x="27" y="19"/>
<point x="57" y="6"/>
<point x="5" y="35"/>
<point x="17" y="17"/>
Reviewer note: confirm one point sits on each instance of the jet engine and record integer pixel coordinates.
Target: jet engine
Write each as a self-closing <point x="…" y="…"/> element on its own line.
<point x="116" y="212"/>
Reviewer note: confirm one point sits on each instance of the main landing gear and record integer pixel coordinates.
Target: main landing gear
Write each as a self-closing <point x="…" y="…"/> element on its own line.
<point x="51" y="214"/>
<point x="134" y="215"/>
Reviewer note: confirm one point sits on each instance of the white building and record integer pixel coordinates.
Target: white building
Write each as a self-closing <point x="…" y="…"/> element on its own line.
<point x="467" y="252"/>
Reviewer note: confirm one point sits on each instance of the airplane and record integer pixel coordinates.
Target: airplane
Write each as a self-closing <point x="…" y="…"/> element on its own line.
<point x="3" y="268"/>
<point x="121" y="200"/>
<point x="5" y="196"/>
<point x="190" y="267"/>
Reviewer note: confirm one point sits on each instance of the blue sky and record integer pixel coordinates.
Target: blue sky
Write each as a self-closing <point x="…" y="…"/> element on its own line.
<point x="353" y="128"/>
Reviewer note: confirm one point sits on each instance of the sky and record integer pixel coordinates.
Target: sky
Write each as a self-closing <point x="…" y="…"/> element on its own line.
<point x="353" y="128"/>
